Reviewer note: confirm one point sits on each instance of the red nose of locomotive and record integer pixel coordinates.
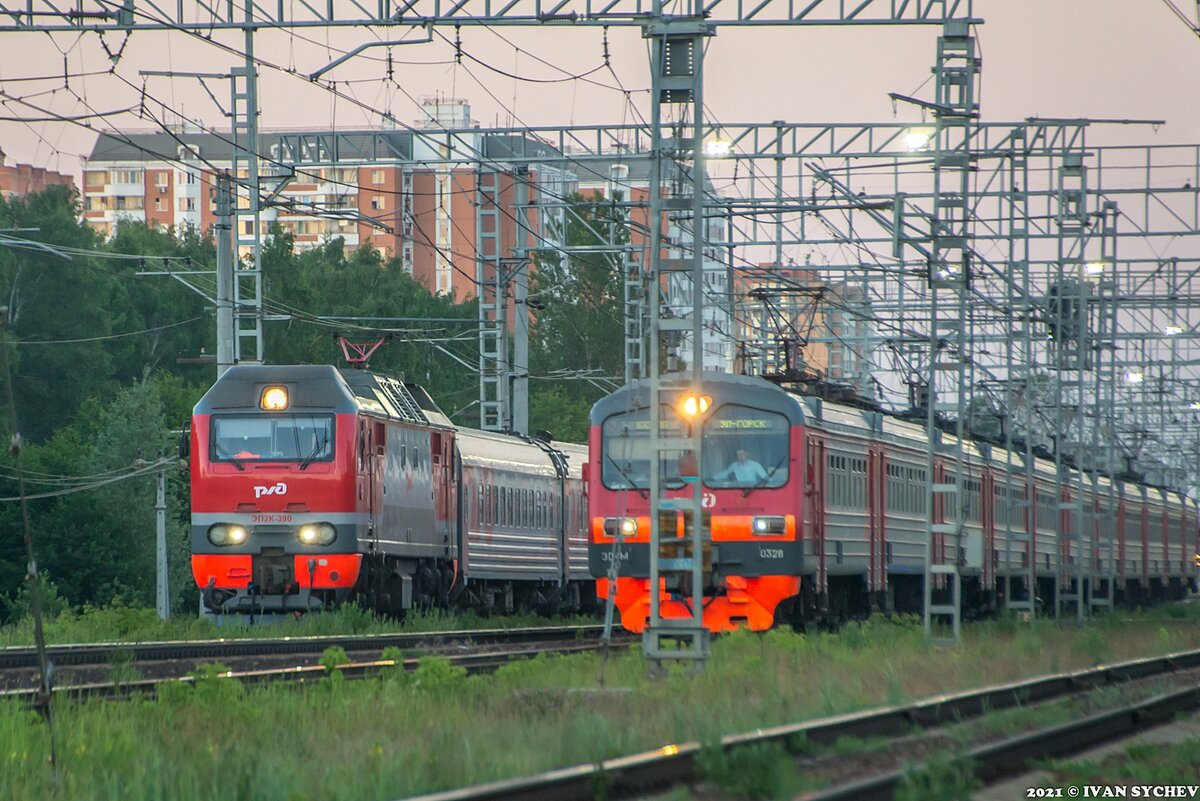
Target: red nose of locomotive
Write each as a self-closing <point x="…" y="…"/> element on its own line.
<point x="275" y="526"/>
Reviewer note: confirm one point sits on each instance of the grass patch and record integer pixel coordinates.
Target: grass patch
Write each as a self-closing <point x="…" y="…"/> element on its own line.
<point x="1141" y="763"/>
<point x="754" y="772"/>
<point x="944" y="777"/>
<point x="435" y="728"/>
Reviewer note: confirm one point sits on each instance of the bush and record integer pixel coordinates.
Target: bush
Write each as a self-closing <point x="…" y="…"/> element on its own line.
<point x="945" y="777"/>
<point x="758" y="771"/>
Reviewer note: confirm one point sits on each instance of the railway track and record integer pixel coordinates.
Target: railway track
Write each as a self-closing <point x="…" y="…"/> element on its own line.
<point x="102" y="653"/>
<point x="995" y="761"/>
<point x="292" y="659"/>
<point x="639" y="774"/>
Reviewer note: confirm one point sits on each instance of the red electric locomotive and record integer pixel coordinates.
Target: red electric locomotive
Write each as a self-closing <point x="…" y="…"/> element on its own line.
<point x="310" y="484"/>
<point x="818" y="510"/>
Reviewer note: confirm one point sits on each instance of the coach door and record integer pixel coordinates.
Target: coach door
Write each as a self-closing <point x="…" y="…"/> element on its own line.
<point x="987" y="518"/>
<point x="876" y="517"/>
<point x="378" y="451"/>
<point x="814" y="507"/>
<point x="444" y="495"/>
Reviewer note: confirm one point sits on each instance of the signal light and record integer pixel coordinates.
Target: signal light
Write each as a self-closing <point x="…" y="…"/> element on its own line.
<point x="274" y="399"/>
<point x="693" y="405"/>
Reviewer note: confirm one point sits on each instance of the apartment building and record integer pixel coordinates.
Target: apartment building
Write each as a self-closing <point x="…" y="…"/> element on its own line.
<point x="17" y="180"/>
<point x="414" y="195"/>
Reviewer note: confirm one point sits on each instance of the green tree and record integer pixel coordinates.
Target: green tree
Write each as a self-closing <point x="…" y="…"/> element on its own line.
<point x="55" y="296"/>
<point x="326" y="281"/>
<point x="579" y="326"/>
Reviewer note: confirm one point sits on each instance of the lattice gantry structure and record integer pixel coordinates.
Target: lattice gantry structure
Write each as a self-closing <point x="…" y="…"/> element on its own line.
<point x="1027" y="282"/>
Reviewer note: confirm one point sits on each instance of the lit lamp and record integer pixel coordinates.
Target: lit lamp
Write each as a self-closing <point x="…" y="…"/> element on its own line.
<point x="274" y="399"/>
<point x="917" y="138"/>
<point x="693" y="405"/>
<point x="1172" y="330"/>
<point x="1133" y="377"/>
<point x="718" y="148"/>
<point x="1094" y="269"/>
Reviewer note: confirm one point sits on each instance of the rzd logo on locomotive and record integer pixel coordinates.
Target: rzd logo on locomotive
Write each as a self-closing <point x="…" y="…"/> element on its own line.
<point x="274" y="489"/>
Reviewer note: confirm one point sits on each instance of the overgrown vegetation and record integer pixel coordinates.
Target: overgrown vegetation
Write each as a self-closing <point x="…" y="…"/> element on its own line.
<point x="1140" y="763"/>
<point x="435" y="728"/>
<point x="943" y="777"/>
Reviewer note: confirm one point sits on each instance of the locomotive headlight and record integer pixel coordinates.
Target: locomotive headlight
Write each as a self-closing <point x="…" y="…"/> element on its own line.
<point x="227" y="534"/>
<point x="316" y="534"/>
<point x="274" y="399"/>
<point x="766" y="526"/>
<point x="692" y="405"/>
<point x="625" y="526"/>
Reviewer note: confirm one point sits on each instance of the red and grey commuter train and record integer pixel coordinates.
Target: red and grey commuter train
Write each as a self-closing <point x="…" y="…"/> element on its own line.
<point x="311" y="484"/>
<point x="830" y="520"/>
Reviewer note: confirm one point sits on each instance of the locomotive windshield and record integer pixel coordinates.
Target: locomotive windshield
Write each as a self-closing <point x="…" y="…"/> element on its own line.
<point x="626" y="450"/>
<point x="745" y="448"/>
<point x="274" y="438"/>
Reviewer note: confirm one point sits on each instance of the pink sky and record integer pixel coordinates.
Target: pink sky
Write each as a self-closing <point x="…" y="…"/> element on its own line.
<point x="1065" y="58"/>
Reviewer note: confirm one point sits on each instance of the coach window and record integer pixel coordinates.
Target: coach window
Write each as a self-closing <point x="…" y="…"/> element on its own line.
<point x="745" y="448"/>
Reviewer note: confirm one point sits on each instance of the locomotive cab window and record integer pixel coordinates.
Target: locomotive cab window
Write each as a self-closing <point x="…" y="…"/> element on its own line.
<point x="272" y="438"/>
<point x="745" y="448"/>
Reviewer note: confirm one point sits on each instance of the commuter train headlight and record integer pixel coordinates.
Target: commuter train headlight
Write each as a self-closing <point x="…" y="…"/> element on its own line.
<point x="625" y="526"/>
<point x="316" y="533"/>
<point x="693" y="405"/>
<point x="227" y="534"/>
<point x="765" y="526"/>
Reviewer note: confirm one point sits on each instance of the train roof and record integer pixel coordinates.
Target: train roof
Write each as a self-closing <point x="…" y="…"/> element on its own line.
<point x="508" y="451"/>
<point x="322" y="387"/>
<point x="853" y="421"/>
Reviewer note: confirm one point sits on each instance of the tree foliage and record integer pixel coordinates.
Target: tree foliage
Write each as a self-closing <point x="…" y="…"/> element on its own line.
<point x="579" y="327"/>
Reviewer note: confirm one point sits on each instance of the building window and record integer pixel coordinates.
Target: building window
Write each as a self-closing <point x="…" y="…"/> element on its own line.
<point x="126" y="176"/>
<point x="378" y="202"/>
<point x="377" y="176"/>
<point x="158" y="204"/>
<point x="95" y="177"/>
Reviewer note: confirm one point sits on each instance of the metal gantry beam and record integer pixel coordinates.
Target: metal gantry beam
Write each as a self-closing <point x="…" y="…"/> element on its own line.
<point x="148" y="15"/>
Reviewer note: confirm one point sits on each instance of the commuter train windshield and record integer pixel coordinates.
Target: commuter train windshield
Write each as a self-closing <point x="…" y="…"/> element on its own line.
<point x="745" y="448"/>
<point x="301" y="438"/>
<point x="626" y="450"/>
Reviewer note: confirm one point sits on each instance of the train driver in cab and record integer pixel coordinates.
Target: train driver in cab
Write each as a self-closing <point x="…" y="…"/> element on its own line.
<point x="742" y="470"/>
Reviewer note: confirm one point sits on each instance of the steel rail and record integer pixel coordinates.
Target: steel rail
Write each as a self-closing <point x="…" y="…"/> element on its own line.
<point x="992" y="762"/>
<point x="673" y="764"/>
<point x="301" y="674"/>
<point x="102" y="653"/>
